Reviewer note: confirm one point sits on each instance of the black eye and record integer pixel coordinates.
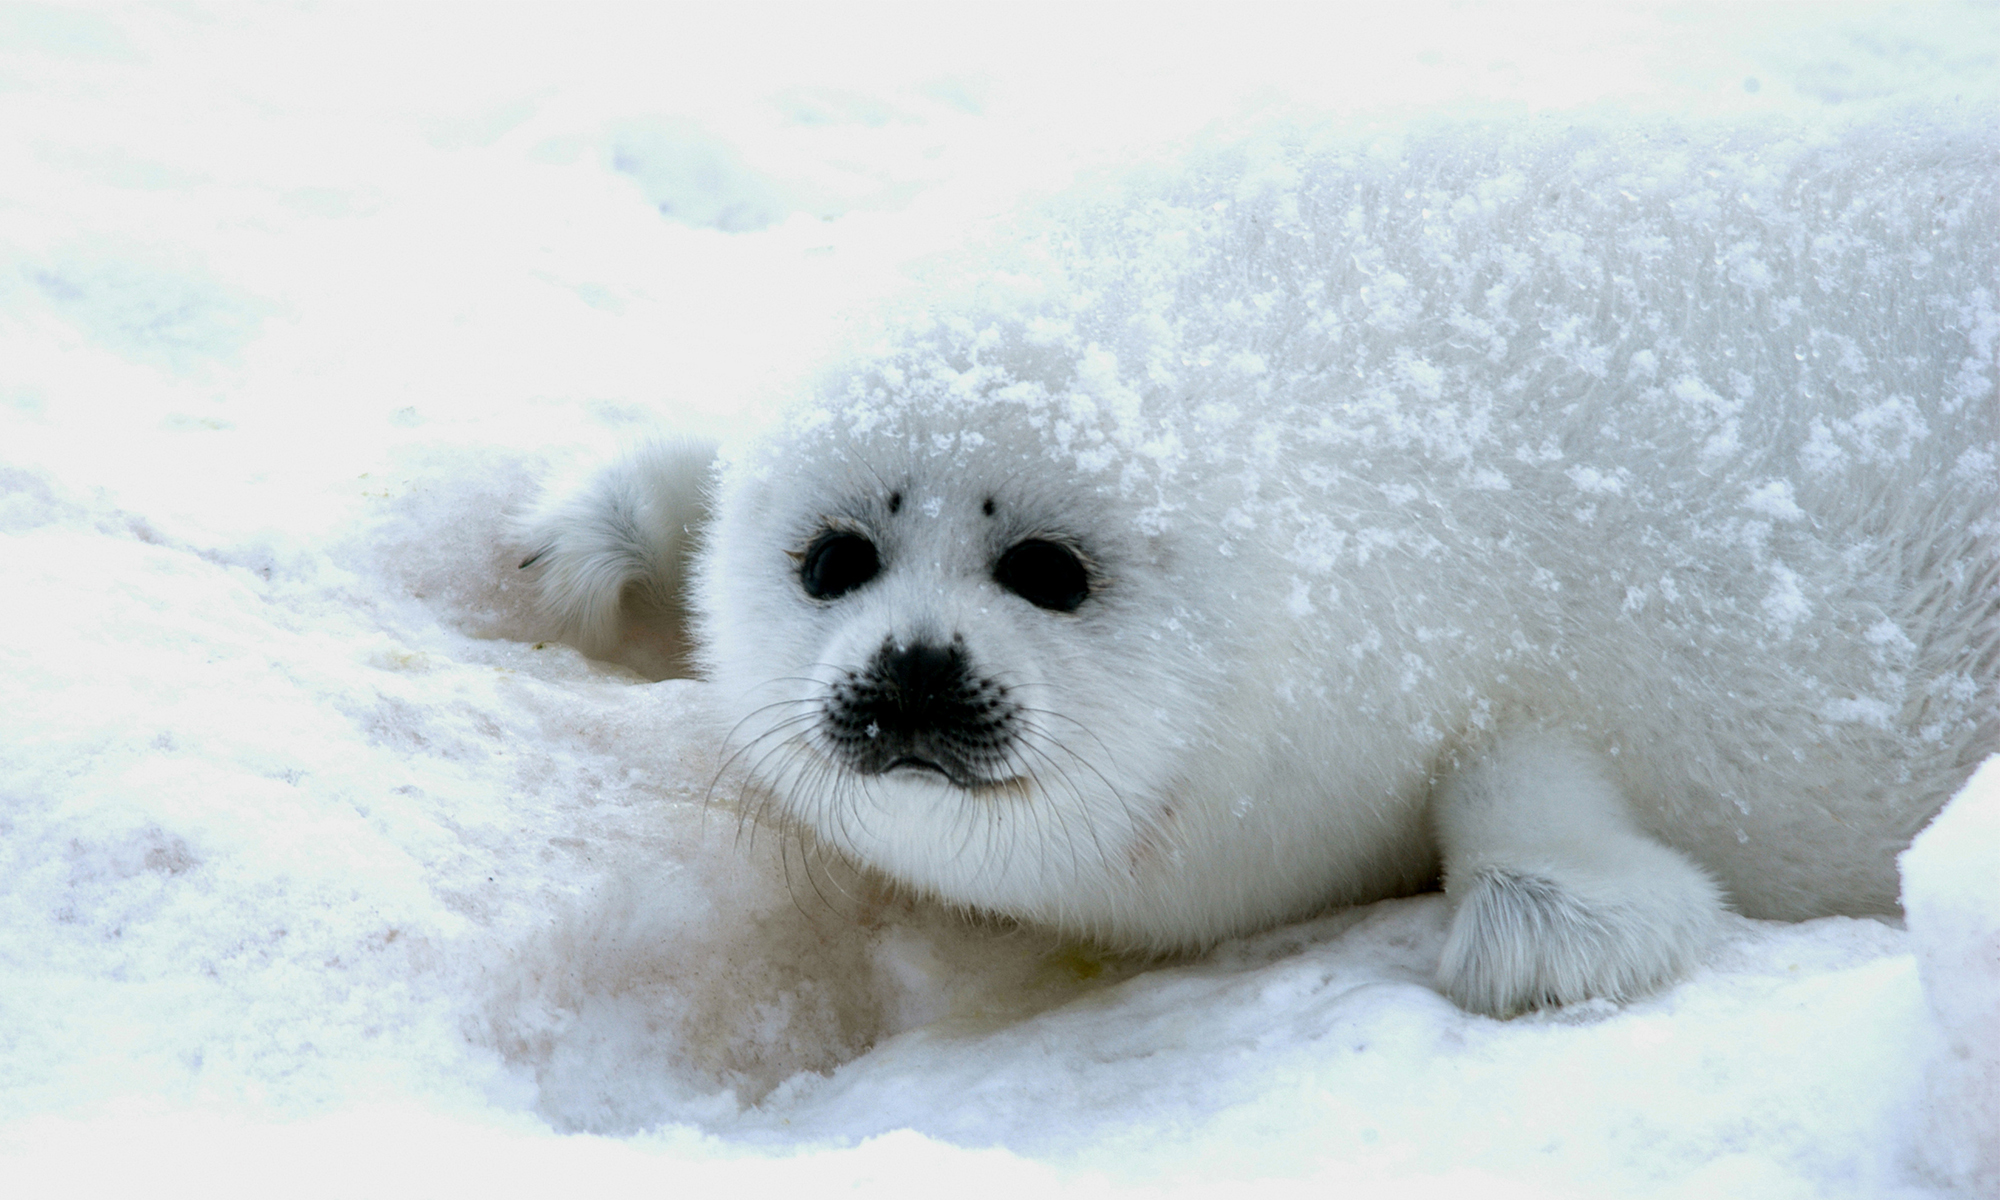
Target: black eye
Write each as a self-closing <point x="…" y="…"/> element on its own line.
<point x="836" y="564"/>
<point x="1044" y="574"/>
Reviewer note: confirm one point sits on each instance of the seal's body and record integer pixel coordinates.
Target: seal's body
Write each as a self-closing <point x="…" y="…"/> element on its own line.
<point x="1604" y="520"/>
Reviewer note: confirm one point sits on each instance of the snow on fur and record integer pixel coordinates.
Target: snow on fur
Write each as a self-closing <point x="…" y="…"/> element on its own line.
<point x="1667" y="438"/>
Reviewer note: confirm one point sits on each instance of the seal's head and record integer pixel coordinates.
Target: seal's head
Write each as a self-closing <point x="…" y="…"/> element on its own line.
<point x="1013" y="607"/>
<point x="951" y="652"/>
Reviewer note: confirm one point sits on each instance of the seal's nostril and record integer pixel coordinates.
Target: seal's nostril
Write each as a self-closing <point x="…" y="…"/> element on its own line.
<point x="923" y="674"/>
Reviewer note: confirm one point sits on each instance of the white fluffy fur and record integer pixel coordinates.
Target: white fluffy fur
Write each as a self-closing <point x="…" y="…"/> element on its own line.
<point x="1559" y="896"/>
<point x="1602" y="519"/>
<point x="613" y="554"/>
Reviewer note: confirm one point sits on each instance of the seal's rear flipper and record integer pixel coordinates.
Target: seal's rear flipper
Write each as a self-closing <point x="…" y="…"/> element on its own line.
<point x="613" y="553"/>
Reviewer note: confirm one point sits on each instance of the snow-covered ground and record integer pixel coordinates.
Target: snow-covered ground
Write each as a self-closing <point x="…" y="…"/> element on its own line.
<point x="319" y="875"/>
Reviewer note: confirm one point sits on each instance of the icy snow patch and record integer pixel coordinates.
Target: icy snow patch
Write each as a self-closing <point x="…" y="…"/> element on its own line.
<point x="1951" y="895"/>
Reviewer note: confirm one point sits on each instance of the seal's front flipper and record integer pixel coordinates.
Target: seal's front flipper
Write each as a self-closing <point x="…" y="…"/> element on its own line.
<point x="613" y="555"/>
<point x="1557" y="896"/>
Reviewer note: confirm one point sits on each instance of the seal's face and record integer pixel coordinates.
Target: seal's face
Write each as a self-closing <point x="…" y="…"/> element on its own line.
<point x="942" y="657"/>
<point x="921" y="702"/>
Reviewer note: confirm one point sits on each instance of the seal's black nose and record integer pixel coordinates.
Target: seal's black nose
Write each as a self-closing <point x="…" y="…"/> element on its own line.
<point x="920" y="706"/>
<point x="921" y="685"/>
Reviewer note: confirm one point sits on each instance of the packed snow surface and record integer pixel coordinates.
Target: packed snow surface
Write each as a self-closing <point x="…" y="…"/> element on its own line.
<point x="320" y="871"/>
